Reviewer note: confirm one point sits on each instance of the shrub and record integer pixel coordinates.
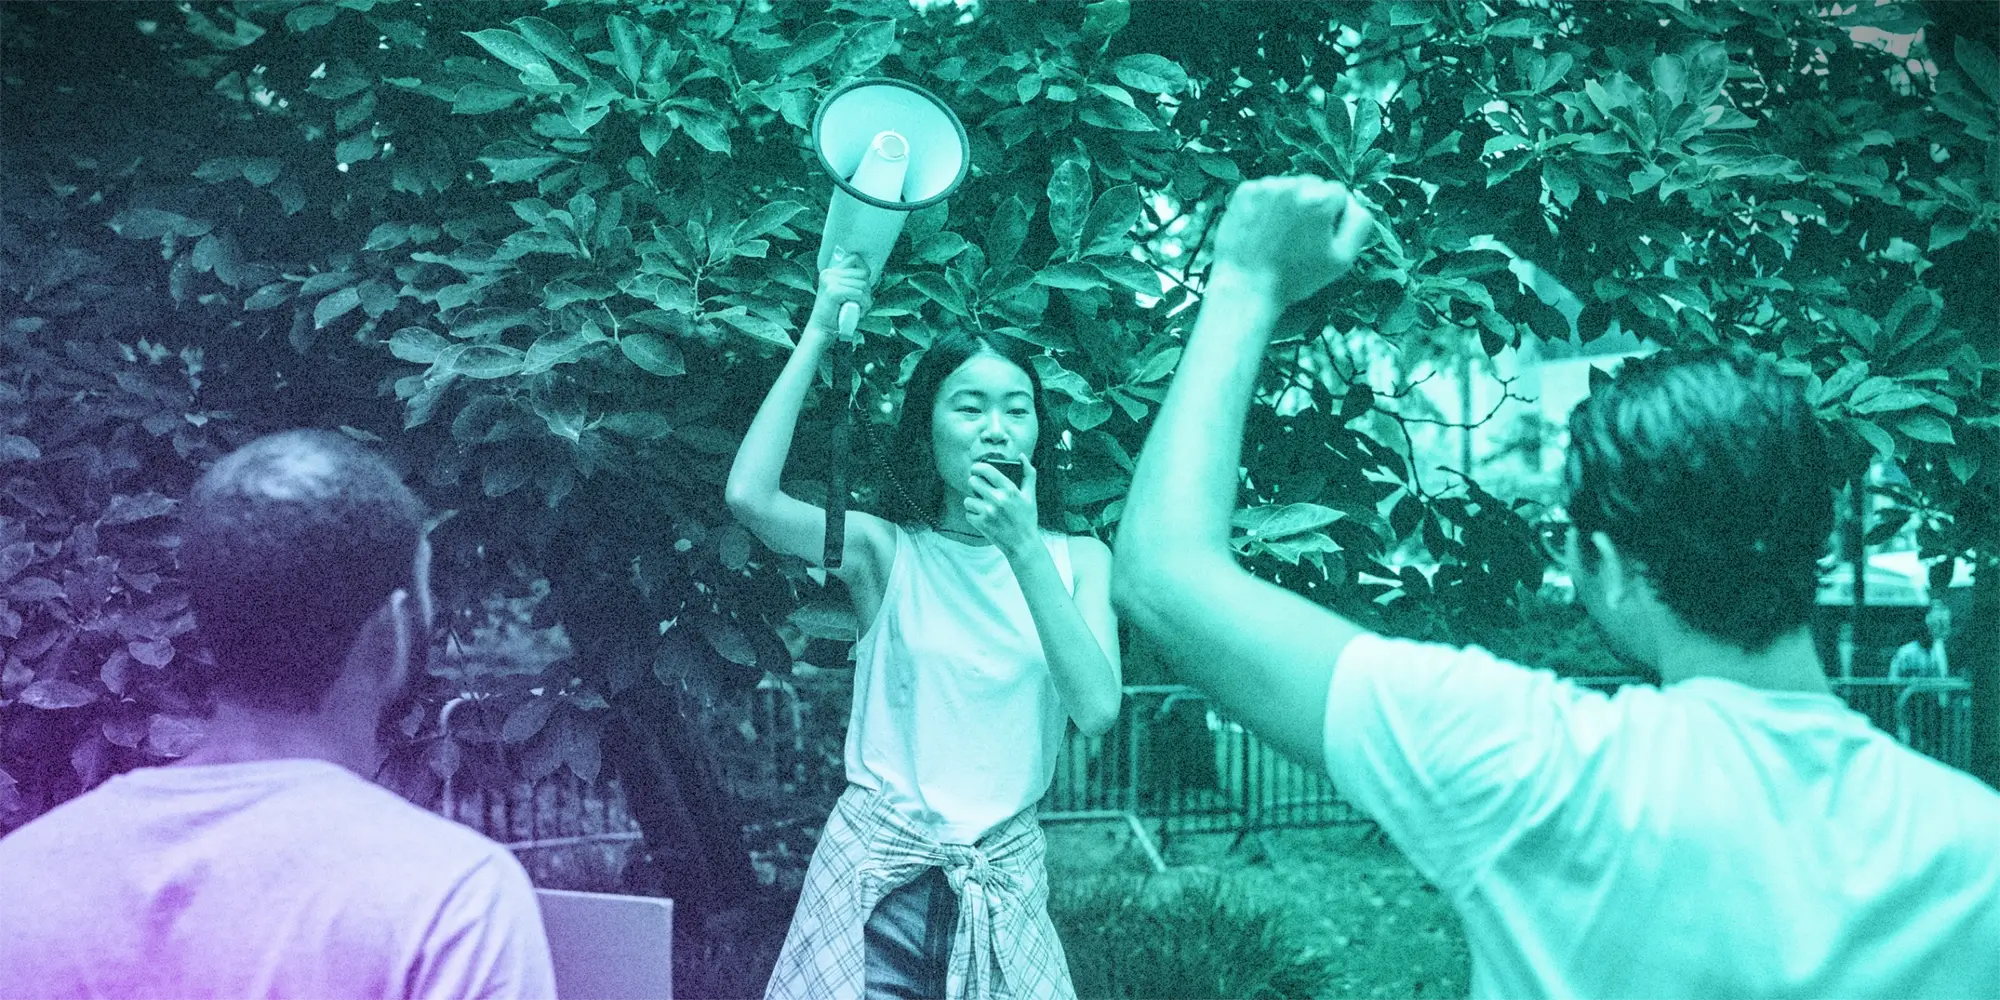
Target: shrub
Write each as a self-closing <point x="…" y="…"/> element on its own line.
<point x="1203" y="939"/>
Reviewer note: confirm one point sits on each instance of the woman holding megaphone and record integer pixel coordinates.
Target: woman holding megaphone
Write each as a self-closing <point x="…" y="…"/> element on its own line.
<point x="985" y="632"/>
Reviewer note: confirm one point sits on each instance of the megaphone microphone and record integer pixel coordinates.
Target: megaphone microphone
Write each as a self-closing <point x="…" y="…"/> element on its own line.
<point x="891" y="148"/>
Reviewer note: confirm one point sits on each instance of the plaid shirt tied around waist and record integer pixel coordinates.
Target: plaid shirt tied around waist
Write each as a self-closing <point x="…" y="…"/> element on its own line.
<point x="1004" y="944"/>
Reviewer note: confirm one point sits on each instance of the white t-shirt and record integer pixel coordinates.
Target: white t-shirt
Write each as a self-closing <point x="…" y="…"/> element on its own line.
<point x="955" y="713"/>
<point x="287" y="878"/>
<point x="1706" y="839"/>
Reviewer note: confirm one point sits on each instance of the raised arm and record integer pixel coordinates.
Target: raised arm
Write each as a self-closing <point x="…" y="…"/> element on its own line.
<point x="1265" y="653"/>
<point x="754" y="494"/>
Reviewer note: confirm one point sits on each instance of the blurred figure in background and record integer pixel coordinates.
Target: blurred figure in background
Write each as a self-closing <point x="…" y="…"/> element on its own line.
<point x="1918" y="658"/>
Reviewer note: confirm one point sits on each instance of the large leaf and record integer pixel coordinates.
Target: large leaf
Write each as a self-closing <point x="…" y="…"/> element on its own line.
<point x="517" y="52"/>
<point x="1979" y="63"/>
<point x="1005" y="232"/>
<point x="1069" y="204"/>
<point x="174" y="735"/>
<point x="527" y="719"/>
<point x="1884" y="395"/>
<point x="334" y="306"/>
<point x="153" y="223"/>
<point x="624" y="46"/>
<point x="937" y="289"/>
<point x="15" y="558"/>
<point x="867" y="44"/>
<point x="552" y="42"/>
<point x="729" y="641"/>
<point x="125" y="509"/>
<point x="486" y="361"/>
<point x="1114" y="215"/>
<point x="1075" y="276"/>
<point x="653" y="353"/>
<point x="1148" y="72"/>
<point x="811" y="45"/>
<point x="1104" y="112"/>
<point x="55" y="693"/>
<point x="768" y="217"/>
<point x="705" y="127"/>
<point x="827" y="620"/>
<point x="1926" y="427"/>
<point x="1274" y="521"/>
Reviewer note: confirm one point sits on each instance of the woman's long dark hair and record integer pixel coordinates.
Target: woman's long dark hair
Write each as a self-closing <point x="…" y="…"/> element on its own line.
<point x="915" y="493"/>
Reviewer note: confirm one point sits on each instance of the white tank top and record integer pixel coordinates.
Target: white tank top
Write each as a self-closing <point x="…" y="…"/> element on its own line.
<point x="955" y="715"/>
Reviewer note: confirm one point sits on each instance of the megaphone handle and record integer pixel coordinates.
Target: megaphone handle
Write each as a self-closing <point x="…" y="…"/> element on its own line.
<point x="836" y="489"/>
<point x="850" y="317"/>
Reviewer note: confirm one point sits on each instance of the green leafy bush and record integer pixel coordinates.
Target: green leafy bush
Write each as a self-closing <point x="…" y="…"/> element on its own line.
<point x="549" y="260"/>
<point x="1200" y="941"/>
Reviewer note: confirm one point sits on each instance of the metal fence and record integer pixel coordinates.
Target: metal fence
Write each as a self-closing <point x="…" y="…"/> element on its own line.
<point x="1932" y="715"/>
<point x="1175" y="763"/>
<point x="568" y="833"/>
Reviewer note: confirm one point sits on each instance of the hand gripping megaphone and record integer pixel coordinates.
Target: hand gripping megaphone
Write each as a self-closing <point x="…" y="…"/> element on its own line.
<point x="891" y="148"/>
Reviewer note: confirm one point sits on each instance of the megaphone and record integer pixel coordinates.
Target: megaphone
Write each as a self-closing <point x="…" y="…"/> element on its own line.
<point x="891" y="148"/>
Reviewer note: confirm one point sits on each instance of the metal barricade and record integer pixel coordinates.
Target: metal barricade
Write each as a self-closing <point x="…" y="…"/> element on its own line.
<point x="1175" y="761"/>
<point x="1931" y="715"/>
<point x="566" y="832"/>
<point x="1097" y="777"/>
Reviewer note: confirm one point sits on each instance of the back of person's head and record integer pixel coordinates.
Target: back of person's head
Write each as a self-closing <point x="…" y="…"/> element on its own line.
<point x="1709" y="468"/>
<point x="915" y="491"/>
<point x="290" y="543"/>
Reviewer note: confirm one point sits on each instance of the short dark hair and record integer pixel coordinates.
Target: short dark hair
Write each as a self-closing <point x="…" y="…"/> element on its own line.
<point x="1709" y="468"/>
<point x="290" y="543"/>
<point x="914" y="492"/>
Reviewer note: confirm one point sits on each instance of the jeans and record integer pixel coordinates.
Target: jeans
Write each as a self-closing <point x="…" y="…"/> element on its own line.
<point x="908" y="939"/>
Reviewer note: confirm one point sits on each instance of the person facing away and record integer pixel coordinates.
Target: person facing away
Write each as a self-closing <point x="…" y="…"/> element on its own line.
<point x="262" y="864"/>
<point x="1736" y="831"/>
<point x="985" y="632"/>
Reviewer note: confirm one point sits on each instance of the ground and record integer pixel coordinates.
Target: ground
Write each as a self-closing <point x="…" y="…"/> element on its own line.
<point x="1342" y="895"/>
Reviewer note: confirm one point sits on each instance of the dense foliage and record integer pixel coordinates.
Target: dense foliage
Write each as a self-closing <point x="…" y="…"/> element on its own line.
<point x="550" y="256"/>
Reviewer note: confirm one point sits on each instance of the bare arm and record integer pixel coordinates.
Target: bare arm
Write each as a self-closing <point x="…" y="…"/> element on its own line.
<point x="754" y="494"/>
<point x="1079" y="635"/>
<point x="1265" y="653"/>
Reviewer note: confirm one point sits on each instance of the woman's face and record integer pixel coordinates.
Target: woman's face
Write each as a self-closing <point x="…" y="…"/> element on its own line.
<point x="983" y="410"/>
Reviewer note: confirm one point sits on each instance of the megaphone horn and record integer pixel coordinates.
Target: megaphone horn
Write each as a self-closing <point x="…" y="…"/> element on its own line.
<point x="891" y="148"/>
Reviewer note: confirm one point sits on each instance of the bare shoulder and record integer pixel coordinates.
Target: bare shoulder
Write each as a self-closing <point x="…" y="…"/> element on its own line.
<point x="1090" y="554"/>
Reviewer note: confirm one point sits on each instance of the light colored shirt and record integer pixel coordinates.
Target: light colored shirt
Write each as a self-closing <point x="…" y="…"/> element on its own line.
<point x="287" y="878"/>
<point x="955" y="714"/>
<point x="1705" y="839"/>
<point x="1912" y="659"/>
<point x="1003" y="942"/>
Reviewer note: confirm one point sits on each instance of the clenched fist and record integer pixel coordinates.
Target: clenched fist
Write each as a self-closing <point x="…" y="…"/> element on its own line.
<point x="845" y="281"/>
<point x="1291" y="235"/>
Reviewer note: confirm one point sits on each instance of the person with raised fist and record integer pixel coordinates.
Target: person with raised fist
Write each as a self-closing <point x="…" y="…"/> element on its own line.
<point x="1735" y="831"/>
